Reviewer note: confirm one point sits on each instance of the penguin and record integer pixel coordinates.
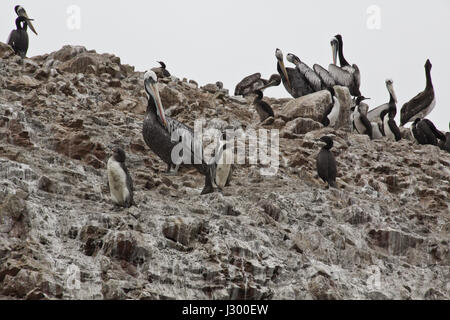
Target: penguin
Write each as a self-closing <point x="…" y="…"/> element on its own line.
<point x="359" y="119"/>
<point x="425" y="132"/>
<point x="224" y="159"/>
<point x="390" y="128"/>
<point x="262" y="107"/>
<point x="331" y="118"/>
<point x="326" y="164"/>
<point x="120" y="182"/>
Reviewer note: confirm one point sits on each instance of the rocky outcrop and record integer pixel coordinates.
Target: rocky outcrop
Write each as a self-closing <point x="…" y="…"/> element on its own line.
<point x="383" y="234"/>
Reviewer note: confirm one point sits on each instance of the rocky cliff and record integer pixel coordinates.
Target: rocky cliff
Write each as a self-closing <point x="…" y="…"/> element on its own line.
<point x="383" y="234"/>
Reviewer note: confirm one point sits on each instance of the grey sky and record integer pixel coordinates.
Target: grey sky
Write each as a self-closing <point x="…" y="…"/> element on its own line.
<point x="209" y="40"/>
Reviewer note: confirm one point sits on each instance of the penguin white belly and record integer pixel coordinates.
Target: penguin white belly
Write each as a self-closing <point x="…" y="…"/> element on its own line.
<point x="223" y="168"/>
<point x="376" y="133"/>
<point x="334" y="114"/>
<point x="359" y="125"/>
<point x="117" y="182"/>
<point x="387" y="129"/>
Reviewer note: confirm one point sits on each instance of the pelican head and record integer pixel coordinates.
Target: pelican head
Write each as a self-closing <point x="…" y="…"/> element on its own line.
<point x="274" y="80"/>
<point x="390" y="87"/>
<point x="20" y="11"/>
<point x="428" y="65"/>
<point x="292" y="58"/>
<point x="150" y="85"/>
<point x="279" y="55"/>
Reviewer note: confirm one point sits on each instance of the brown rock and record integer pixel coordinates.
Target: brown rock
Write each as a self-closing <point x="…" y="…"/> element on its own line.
<point x="299" y="126"/>
<point x="312" y="106"/>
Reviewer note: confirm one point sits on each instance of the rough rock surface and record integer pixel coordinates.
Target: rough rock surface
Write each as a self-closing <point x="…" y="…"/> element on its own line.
<point x="383" y="234"/>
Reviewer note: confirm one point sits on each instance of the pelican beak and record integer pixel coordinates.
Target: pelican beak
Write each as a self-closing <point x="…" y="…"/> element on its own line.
<point x="153" y="90"/>
<point x="334" y="52"/>
<point x="283" y="68"/>
<point x="23" y="13"/>
<point x="269" y="84"/>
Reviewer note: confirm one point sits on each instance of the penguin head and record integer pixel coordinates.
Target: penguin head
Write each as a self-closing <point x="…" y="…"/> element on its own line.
<point x="328" y="142"/>
<point x="119" y="154"/>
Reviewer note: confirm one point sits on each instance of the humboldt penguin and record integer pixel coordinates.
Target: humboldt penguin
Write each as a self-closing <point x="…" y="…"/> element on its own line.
<point x="331" y="118"/>
<point x="421" y="105"/>
<point x="224" y="159"/>
<point x="120" y="182"/>
<point x="425" y="132"/>
<point x="262" y="108"/>
<point x="390" y="129"/>
<point x="326" y="164"/>
<point x="361" y="124"/>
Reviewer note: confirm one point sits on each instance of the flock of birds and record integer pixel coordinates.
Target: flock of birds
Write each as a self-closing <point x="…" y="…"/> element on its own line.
<point x="163" y="133"/>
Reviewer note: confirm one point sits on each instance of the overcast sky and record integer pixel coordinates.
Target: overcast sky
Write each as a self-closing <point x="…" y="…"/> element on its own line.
<point x="210" y="40"/>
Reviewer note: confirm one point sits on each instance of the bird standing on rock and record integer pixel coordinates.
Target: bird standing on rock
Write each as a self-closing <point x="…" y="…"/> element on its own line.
<point x="262" y="108"/>
<point x="326" y="164"/>
<point x="120" y="181"/>
<point x="425" y="132"/>
<point x="161" y="72"/>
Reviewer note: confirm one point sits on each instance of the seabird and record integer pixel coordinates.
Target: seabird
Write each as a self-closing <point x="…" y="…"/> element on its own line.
<point x="20" y="11"/>
<point x="359" y="119"/>
<point x="346" y="75"/>
<point x="224" y="158"/>
<point x="313" y="80"/>
<point x="18" y="39"/>
<point x="374" y="114"/>
<point x="162" y="134"/>
<point x="262" y="108"/>
<point x="120" y="182"/>
<point x="425" y="132"/>
<point x="294" y="82"/>
<point x="254" y="82"/>
<point x="326" y="164"/>
<point x="421" y="105"/>
<point x="390" y="129"/>
<point x="331" y="118"/>
<point x="161" y="72"/>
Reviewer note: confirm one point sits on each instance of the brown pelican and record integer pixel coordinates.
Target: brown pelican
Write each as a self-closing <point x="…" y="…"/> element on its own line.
<point x="374" y="114"/>
<point x="326" y="164"/>
<point x="390" y="129"/>
<point x="254" y="82"/>
<point x="421" y="105"/>
<point x="425" y="132"/>
<point x="159" y="132"/>
<point x="161" y="72"/>
<point x="347" y="75"/>
<point x="18" y="39"/>
<point x="20" y="11"/>
<point x="262" y="107"/>
<point x="294" y="82"/>
<point x="313" y="79"/>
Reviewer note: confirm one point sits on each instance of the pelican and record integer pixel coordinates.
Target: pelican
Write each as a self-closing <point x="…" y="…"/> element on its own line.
<point x="421" y="105"/>
<point x="374" y="114"/>
<point x="20" y="11"/>
<point x="293" y="80"/>
<point x="262" y="108"/>
<point x="158" y="132"/>
<point x="161" y="72"/>
<point x="254" y="82"/>
<point x="313" y="80"/>
<point x="347" y="75"/>
<point x="18" y="39"/>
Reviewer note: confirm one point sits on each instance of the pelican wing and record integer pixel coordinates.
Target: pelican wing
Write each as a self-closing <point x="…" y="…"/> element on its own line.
<point x="416" y="105"/>
<point x="357" y="76"/>
<point x="313" y="79"/>
<point x="341" y="76"/>
<point x="374" y="114"/>
<point x="325" y="76"/>
<point x="299" y="84"/>
<point x="246" y="83"/>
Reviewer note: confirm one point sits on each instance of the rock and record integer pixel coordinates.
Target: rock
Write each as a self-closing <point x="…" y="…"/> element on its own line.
<point x="182" y="231"/>
<point x="128" y="246"/>
<point x="312" y="106"/>
<point x="171" y="97"/>
<point x="211" y="88"/>
<point x="83" y="63"/>
<point x="66" y="53"/>
<point x="47" y="185"/>
<point x="5" y="51"/>
<point x="270" y="209"/>
<point x="394" y="242"/>
<point x="14" y="219"/>
<point x="346" y="103"/>
<point x="299" y="126"/>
